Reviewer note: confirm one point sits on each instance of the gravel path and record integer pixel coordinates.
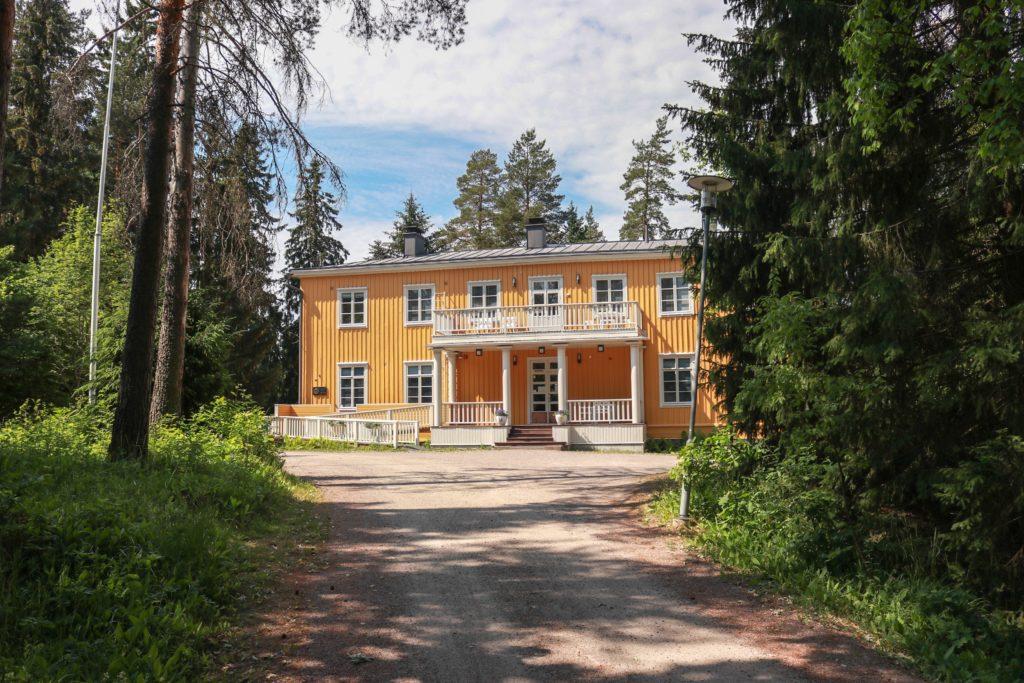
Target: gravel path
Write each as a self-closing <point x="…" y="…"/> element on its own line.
<point x="521" y="566"/>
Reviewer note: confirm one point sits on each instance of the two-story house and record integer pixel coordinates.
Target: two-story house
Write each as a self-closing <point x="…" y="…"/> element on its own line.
<point x="503" y="345"/>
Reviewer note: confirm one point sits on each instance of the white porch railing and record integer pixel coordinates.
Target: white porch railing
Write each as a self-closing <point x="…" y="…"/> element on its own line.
<point x="470" y="413"/>
<point x="601" y="410"/>
<point x="384" y="432"/>
<point x="420" y="412"/>
<point x="621" y="316"/>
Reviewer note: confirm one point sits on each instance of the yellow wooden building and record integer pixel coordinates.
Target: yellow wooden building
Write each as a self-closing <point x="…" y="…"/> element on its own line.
<point x="588" y="345"/>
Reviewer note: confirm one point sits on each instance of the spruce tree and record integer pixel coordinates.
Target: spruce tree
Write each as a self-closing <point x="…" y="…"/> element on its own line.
<point x="580" y="228"/>
<point x="411" y="218"/>
<point x="480" y="187"/>
<point x="649" y="184"/>
<point x="531" y="190"/>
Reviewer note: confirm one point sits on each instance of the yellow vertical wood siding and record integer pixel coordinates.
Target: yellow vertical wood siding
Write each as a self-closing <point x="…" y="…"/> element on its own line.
<point x="386" y="342"/>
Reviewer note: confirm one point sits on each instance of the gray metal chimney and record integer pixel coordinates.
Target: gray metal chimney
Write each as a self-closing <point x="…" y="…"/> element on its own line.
<point x="536" y="234"/>
<point x="415" y="245"/>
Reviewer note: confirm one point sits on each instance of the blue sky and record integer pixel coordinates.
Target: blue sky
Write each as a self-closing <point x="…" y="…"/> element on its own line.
<point x="590" y="75"/>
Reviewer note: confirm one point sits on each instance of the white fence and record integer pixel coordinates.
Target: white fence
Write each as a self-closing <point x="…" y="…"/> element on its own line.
<point x="420" y="412"/>
<point x="502" y="320"/>
<point x="601" y="410"/>
<point x="384" y="432"/>
<point x="471" y="413"/>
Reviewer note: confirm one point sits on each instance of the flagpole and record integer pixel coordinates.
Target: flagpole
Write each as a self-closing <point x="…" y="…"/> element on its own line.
<point x="98" y="235"/>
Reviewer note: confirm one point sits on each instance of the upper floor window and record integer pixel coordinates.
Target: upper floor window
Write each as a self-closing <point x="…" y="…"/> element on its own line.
<point x="609" y="288"/>
<point x="676" y="387"/>
<point x="419" y="382"/>
<point x="351" y="384"/>
<point x="419" y="304"/>
<point x="352" y="307"/>
<point x="484" y="294"/>
<point x="674" y="295"/>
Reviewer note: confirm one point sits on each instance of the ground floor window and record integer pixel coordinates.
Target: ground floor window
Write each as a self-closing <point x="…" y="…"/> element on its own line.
<point x="419" y="382"/>
<point x="675" y="380"/>
<point x="351" y="385"/>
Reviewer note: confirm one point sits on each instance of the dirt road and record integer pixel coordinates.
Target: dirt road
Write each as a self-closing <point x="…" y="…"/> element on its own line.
<point x="521" y="566"/>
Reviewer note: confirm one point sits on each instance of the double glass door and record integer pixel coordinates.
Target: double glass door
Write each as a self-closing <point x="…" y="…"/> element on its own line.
<point x="545" y="297"/>
<point x="543" y="390"/>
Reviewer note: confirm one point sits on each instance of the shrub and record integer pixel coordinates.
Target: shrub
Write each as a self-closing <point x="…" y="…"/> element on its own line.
<point x="124" y="569"/>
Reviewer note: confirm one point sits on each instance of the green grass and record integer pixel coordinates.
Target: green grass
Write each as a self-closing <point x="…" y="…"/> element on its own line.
<point x="134" y="571"/>
<point x="942" y="630"/>
<point x="296" y="444"/>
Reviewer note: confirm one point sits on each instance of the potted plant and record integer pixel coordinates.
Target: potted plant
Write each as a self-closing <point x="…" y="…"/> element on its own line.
<point x="501" y="417"/>
<point x="561" y="417"/>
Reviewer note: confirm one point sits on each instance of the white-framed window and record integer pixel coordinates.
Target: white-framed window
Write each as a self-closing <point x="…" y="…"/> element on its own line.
<point x="419" y="382"/>
<point x="352" y="307"/>
<point x="484" y="294"/>
<point x="609" y="289"/>
<point x="674" y="295"/>
<point x="675" y="379"/>
<point x="351" y="385"/>
<point x="419" y="304"/>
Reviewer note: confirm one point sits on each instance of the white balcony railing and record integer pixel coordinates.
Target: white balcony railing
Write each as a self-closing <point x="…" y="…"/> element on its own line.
<point x="471" y="413"/>
<point x="623" y="316"/>
<point x="601" y="410"/>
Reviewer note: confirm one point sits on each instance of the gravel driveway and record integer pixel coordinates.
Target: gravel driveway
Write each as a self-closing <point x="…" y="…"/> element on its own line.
<point x="525" y="565"/>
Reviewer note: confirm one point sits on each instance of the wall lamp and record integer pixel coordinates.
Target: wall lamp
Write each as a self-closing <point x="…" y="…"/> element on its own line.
<point x="577" y="278"/>
<point x="513" y="280"/>
<point x="579" y="357"/>
<point x="515" y="359"/>
<point x="600" y="348"/>
<point x="479" y="352"/>
<point x="540" y="350"/>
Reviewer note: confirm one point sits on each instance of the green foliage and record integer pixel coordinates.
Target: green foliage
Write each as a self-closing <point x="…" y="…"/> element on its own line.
<point x="412" y="218"/>
<point x="578" y="228"/>
<point x="530" y="191"/>
<point x="475" y="226"/>
<point x="649" y="186"/>
<point x="113" y="570"/>
<point x="780" y="515"/>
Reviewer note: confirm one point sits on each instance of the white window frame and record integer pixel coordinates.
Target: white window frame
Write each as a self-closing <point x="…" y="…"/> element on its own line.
<point x="405" y="380"/>
<point x="366" y="384"/>
<point x="689" y="296"/>
<point x="481" y="283"/>
<point x="661" y="382"/>
<point x="609" y="276"/>
<point x="405" y="304"/>
<point x="544" y="278"/>
<point x="366" y="306"/>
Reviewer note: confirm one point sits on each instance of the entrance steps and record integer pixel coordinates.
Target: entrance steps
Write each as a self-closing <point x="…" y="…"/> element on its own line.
<point x="530" y="436"/>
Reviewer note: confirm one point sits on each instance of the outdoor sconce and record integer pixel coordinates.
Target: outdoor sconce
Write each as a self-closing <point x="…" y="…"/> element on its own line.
<point x="479" y="352"/>
<point x="600" y="348"/>
<point x="579" y="357"/>
<point x="515" y="359"/>
<point x="577" y="278"/>
<point x="513" y="280"/>
<point x="540" y="350"/>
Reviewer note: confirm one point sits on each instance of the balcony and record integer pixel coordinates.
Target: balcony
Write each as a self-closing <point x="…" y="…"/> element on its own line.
<point x="548" y="321"/>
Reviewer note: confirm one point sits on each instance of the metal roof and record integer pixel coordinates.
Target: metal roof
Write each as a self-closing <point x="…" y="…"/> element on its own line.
<point x="553" y="250"/>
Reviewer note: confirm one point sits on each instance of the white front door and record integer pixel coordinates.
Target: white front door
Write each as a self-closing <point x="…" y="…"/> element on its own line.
<point x="545" y="295"/>
<point x="543" y="395"/>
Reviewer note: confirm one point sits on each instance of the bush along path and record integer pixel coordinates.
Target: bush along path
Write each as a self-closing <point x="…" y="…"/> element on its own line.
<point x="137" y="571"/>
<point x="779" y="517"/>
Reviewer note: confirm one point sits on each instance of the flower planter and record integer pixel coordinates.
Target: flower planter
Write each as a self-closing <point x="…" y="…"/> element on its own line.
<point x="501" y="420"/>
<point x="561" y="418"/>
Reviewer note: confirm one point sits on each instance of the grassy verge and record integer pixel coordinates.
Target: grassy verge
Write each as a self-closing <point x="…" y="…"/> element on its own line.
<point x="135" y="571"/>
<point x="296" y="444"/>
<point x="766" y="529"/>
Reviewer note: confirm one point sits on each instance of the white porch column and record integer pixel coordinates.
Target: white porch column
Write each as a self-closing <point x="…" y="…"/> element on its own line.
<point x="439" y="371"/>
<point x="506" y="381"/>
<point x="563" y="381"/>
<point x="636" y="369"/>
<point x="453" y="356"/>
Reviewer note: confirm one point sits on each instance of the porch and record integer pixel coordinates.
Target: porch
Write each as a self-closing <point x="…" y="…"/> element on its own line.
<point x="584" y="395"/>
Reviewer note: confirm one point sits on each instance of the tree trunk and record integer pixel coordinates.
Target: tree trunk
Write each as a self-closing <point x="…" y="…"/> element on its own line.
<point x="170" y="359"/>
<point x="130" y="433"/>
<point x="6" y="61"/>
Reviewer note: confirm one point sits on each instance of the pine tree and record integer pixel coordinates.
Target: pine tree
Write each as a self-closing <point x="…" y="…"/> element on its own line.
<point x="412" y="218"/>
<point x="580" y="228"/>
<point x="50" y="162"/>
<point x="531" y="189"/>
<point x="649" y="187"/>
<point x="479" y="192"/>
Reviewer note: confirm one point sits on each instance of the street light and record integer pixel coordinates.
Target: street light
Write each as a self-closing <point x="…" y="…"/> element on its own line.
<point x="709" y="187"/>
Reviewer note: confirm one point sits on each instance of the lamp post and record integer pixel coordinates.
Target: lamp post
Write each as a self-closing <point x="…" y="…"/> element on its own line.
<point x="94" y="310"/>
<point x="709" y="186"/>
